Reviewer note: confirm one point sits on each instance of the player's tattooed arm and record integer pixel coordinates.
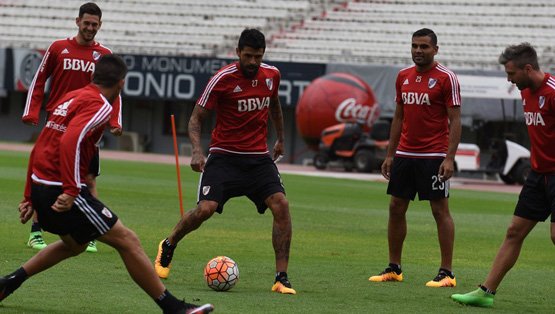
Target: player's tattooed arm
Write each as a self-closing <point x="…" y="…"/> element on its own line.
<point x="277" y="119"/>
<point x="198" y="115"/>
<point x="277" y="116"/>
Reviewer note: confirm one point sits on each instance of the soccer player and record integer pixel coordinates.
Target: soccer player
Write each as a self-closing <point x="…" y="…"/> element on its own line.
<point x="69" y="63"/>
<point x="424" y="137"/>
<point x="56" y="189"/>
<point x="242" y="94"/>
<point x="535" y="202"/>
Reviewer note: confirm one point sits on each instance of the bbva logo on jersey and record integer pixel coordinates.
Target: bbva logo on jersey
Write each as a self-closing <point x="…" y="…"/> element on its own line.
<point x="251" y="104"/>
<point x="79" y="65"/>
<point x="534" y="118"/>
<point x="411" y="98"/>
<point x="61" y="110"/>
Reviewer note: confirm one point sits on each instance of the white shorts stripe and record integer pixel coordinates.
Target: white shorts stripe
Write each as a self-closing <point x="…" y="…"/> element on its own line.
<point x="420" y="154"/>
<point x="93" y="216"/>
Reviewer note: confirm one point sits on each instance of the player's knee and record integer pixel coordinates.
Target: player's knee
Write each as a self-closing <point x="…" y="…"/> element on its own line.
<point x="396" y="211"/>
<point x="513" y="233"/>
<point x="280" y="209"/>
<point x="75" y="250"/>
<point x="439" y="213"/>
<point x="553" y="235"/>
<point x="205" y="210"/>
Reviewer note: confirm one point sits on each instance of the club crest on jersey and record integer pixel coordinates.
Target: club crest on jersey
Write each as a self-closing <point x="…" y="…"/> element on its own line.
<point x="96" y="55"/>
<point x="205" y="189"/>
<point x="432" y="82"/>
<point x="106" y="212"/>
<point x="270" y="83"/>
<point x="254" y="83"/>
<point x="542" y="101"/>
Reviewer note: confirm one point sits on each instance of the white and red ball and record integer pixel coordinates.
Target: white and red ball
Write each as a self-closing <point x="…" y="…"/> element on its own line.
<point x="221" y="273"/>
<point x="331" y="99"/>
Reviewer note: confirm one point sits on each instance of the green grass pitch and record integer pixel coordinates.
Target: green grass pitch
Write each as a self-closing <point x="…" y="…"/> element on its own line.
<point x="339" y="240"/>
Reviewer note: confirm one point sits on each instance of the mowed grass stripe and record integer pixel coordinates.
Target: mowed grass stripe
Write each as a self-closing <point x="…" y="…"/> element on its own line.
<point x="339" y="240"/>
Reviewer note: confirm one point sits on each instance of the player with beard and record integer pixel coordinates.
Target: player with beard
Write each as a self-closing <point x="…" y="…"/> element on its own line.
<point x="69" y="63"/>
<point x="537" y="197"/>
<point x="242" y="94"/>
<point x="424" y="137"/>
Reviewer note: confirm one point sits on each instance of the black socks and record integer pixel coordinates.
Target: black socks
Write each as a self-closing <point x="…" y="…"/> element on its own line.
<point x="396" y="268"/>
<point x="167" y="302"/>
<point x="35" y="227"/>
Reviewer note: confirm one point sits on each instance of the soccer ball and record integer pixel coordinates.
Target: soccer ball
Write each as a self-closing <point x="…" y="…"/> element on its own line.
<point x="221" y="273"/>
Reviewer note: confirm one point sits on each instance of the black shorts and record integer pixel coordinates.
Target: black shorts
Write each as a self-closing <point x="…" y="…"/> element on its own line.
<point x="537" y="197"/>
<point x="85" y="221"/>
<point x="227" y="176"/>
<point x="417" y="175"/>
<point x="94" y="166"/>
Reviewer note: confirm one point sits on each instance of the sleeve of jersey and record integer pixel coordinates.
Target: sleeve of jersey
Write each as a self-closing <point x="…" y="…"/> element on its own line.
<point x="452" y="91"/>
<point x="276" y="84"/>
<point x="116" y="119"/>
<point x="398" y="97"/>
<point x="35" y="94"/>
<point x="27" y="192"/>
<point x="90" y="117"/>
<point x="212" y="92"/>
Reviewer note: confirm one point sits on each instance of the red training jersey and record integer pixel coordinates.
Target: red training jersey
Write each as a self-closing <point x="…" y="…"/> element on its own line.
<point x="70" y="65"/>
<point x="539" y="111"/>
<point x="425" y="97"/>
<point x="241" y="106"/>
<point x="65" y="147"/>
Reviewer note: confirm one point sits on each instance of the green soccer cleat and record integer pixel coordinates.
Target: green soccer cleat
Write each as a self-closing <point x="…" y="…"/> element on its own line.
<point x="36" y="241"/>
<point x="91" y="248"/>
<point x="475" y="298"/>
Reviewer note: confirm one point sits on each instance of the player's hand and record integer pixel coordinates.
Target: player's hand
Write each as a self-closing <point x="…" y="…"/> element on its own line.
<point x="25" y="211"/>
<point x="63" y="203"/>
<point x="386" y="167"/>
<point x="446" y="170"/>
<point x="197" y="162"/>
<point x="279" y="151"/>
<point x="116" y="131"/>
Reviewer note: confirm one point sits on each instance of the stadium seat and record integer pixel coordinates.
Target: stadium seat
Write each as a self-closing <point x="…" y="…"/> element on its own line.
<point x="471" y="32"/>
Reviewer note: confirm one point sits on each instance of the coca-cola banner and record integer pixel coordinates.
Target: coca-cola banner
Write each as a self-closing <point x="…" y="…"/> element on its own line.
<point x="331" y="99"/>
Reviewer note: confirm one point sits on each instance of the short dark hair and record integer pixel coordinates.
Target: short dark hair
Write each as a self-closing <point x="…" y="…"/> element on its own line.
<point x="110" y="70"/>
<point x="521" y="55"/>
<point x="90" y="8"/>
<point x="252" y="38"/>
<point x="426" y="32"/>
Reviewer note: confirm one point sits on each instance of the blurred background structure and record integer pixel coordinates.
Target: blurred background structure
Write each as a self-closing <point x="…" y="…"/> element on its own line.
<point x="174" y="46"/>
